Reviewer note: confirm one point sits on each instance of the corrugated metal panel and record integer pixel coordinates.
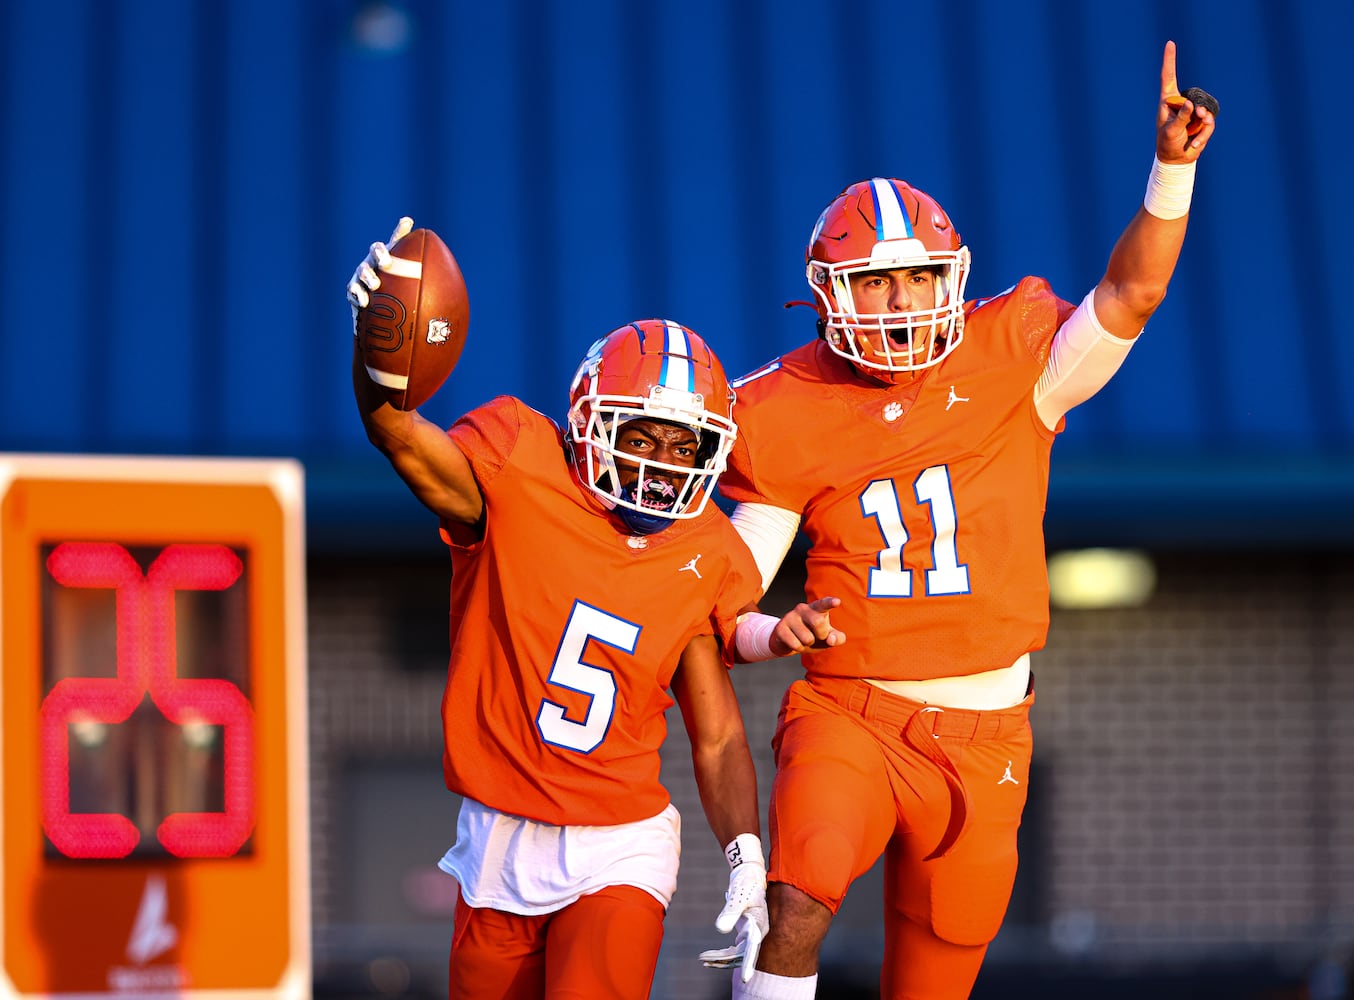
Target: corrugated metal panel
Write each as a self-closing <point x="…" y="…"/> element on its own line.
<point x="188" y="186"/>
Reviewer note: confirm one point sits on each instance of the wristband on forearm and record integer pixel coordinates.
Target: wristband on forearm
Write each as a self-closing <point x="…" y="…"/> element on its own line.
<point x="744" y="848"/>
<point x="1170" y="187"/>
<point x="752" y="637"/>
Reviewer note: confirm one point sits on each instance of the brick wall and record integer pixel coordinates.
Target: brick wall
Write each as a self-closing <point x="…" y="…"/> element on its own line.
<point x="1196" y="748"/>
<point x="1192" y="799"/>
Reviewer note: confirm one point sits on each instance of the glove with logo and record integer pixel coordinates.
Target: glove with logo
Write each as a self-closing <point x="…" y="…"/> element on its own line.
<point x="744" y="907"/>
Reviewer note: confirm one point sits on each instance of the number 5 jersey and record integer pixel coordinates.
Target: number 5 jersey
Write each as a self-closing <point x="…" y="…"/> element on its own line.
<point x="566" y="631"/>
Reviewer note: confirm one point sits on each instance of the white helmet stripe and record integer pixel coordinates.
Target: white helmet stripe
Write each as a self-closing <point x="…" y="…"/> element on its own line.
<point x="891" y="222"/>
<point x="677" y="372"/>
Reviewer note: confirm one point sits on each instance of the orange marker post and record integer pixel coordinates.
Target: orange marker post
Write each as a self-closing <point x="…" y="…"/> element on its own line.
<point x="154" y="832"/>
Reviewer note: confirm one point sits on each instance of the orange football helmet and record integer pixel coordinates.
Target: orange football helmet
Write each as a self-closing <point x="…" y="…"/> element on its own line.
<point x="653" y="369"/>
<point x="884" y="225"/>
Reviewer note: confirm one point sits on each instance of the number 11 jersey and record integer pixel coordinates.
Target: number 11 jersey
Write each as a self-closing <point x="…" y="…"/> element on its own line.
<point x="923" y="502"/>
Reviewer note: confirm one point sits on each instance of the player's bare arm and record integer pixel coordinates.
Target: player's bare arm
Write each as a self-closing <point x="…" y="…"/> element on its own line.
<point x="1093" y="343"/>
<point x="723" y="766"/>
<point x="1143" y="260"/>
<point x="420" y="451"/>
<point x="727" y="781"/>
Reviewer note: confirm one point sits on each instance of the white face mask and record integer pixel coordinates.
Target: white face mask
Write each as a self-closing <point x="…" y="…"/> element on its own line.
<point x="893" y="341"/>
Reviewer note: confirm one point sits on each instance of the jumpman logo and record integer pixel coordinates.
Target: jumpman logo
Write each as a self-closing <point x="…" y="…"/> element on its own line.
<point x="1008" y="776"/>
<point x="954" y="398"/>
<point x="692" y="566"/>
<point x="152" y="932"/>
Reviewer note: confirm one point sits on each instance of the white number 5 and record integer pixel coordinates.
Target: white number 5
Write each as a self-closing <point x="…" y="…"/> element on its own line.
<point x="569" y="671"/>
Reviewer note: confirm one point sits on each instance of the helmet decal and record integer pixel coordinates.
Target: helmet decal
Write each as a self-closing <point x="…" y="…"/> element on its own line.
<point x="676" y="371"/>
<point x="890" y="214"/>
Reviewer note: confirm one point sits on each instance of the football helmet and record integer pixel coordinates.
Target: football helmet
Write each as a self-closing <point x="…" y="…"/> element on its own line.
<point x="653" y="369"/>
<point x="883" y="225"/>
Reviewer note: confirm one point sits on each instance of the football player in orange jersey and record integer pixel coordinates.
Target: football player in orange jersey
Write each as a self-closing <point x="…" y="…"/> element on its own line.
<point x="590" y="576"/>
<point x="918" y="470"/>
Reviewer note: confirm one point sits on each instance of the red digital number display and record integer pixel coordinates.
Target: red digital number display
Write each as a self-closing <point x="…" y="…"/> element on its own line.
<point x="147" y="654"/>
<point x="154" y="823"/>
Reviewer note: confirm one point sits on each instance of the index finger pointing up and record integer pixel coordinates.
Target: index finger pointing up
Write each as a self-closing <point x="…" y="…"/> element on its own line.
<point x="1169" y="86"/>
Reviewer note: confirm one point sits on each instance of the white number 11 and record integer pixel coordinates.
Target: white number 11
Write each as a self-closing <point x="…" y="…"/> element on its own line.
<point x="890" y="578"/>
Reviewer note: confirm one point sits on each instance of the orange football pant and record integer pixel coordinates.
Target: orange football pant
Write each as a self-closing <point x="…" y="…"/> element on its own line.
<point x="601" y="947"/>
<point x="861" y="772"/>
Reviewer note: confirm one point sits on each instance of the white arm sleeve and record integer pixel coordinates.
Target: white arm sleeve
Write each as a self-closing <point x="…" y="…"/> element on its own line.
<point x="1083" y="358"/>
<point x="768" y="531"/>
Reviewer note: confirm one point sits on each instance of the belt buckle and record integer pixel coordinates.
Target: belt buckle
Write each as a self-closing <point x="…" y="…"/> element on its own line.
<point x="932" y="708"/>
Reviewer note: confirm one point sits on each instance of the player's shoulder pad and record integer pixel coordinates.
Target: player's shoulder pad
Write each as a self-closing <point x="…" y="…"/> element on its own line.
<point x="1026" y="292"/>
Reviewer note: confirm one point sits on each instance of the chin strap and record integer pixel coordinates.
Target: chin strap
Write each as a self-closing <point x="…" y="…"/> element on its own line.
<point x="642" y="524"/>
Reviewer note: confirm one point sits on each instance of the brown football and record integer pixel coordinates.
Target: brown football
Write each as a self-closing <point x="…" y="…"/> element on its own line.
<point x="412" y="331"/>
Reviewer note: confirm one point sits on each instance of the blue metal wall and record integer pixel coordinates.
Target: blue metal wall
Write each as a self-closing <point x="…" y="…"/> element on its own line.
<point x="187" y="186"/>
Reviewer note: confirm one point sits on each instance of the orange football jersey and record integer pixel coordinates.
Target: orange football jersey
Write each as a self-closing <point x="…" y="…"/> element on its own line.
<point x="566" y="631"/>
<point x="923" y="502"/>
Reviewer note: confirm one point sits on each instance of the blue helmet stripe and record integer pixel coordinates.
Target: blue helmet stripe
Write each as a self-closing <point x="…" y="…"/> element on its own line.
<point x="677" y="372"/>
<point x="890" y="215"/>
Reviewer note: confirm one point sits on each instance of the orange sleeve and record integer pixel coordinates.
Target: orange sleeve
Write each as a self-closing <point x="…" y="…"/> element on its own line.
<point x="487" y="434"/>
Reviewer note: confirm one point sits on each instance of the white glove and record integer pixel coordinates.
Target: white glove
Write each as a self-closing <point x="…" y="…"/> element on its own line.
<point x="744" y="907"/>
<point x="366" y="278"/>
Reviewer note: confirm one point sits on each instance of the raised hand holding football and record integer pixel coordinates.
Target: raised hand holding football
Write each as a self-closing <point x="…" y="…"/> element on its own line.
<point x="412" y="328"/>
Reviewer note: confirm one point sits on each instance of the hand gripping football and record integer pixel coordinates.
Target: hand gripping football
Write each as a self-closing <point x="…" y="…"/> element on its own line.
<point x="412" y="331"/>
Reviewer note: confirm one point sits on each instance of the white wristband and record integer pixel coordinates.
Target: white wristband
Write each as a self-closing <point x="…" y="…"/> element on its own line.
<point x="1170" y="187"/>
<point x="752" y="636"/>
<point x="743" y="848"/>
